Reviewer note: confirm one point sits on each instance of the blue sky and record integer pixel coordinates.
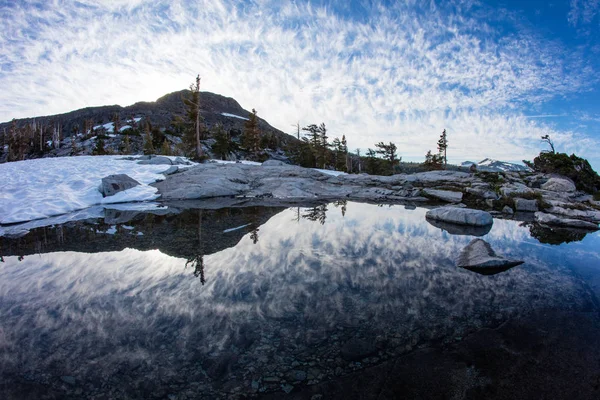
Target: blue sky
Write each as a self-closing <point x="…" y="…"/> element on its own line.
<point x="496" y="74"/>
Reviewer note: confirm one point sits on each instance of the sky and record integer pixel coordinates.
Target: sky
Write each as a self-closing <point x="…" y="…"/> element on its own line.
<point x="497" y="75"/>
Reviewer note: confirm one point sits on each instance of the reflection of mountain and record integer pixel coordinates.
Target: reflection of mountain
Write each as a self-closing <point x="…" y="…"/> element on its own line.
<point x="305" y="300"/>
<point x="187" y="234"/>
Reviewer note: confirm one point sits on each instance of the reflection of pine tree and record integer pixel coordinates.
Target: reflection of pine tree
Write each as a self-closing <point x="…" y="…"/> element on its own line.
<point x="254" y="235"/>
<point x="318" y="213"/>
<point x="342" y="204"/>
<point x="197" y="261"/>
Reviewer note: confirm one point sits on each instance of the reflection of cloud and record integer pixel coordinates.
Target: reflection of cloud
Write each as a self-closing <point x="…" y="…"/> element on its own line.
<point x="378" y="271"/>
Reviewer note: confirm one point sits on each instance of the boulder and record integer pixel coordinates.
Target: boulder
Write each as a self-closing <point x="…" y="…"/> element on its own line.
<point x="444" y="195"/>
<point x="479" y="256"/>
<point x="483" y="192"/>
<point x="559" y="185"/>
<point x="274" y="163"/>
<point x="526" y="205"/>
<point x="171" y="170"/>
<point x="507" y="210"/>
<point x="514" y="188"/>
<point x="158" y="160"/>
<point x="113" y="184"/>
<point x="461" y="216"/>
<point x="549" y="219"/>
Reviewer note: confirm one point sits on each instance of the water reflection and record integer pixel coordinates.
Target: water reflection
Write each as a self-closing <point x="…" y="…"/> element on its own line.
<point x="324" y="291"/>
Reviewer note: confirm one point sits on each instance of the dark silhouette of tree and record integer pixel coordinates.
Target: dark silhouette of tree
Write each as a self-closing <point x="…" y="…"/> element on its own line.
<point x="197" y="260"/>
<point x="388" y="153"/>
<point x="318" y="213"/>
<point x="193" y="133"/>
<point x="443" y="147"/>
<point x="432" y="161"/>
<point x="546" y="138"/>
<point x="252" y="134"/>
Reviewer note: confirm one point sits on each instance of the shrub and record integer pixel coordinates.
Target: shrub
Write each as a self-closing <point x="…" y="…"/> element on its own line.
<point x="576" y="168"/>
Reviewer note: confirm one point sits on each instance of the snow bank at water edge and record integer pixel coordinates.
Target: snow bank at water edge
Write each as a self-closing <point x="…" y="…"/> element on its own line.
<point x="45" y="187"/>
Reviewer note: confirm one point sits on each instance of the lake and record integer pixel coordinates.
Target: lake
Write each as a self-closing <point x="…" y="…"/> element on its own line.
<point x="339" y="300"/>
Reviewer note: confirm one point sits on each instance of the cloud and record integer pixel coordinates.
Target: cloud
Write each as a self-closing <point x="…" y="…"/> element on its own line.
<point x="583" y="12"/>
<point x="401" y="72"/>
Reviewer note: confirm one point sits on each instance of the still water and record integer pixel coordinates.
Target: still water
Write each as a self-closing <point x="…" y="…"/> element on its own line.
<point x="344" y="300"/>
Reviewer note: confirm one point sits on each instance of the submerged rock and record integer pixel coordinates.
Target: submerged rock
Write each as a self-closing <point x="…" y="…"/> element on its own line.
<point x="549" y="219"/>
<point x="479" y="256"/>
<point x="113" y="184"/>
<point x="461" y="216"/>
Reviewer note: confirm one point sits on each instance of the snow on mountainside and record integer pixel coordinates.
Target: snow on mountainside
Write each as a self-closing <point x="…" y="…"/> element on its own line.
<point x="491" y="165"/>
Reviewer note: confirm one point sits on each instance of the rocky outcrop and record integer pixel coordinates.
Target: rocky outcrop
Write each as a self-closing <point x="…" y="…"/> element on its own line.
<point x="113" y="184"/>
<point x="461" y="216"/>
<point x="526" y="205"/>
<point x="557" y="184"/>
<point x="480" y="257"/>
<point x="444" y="195"/>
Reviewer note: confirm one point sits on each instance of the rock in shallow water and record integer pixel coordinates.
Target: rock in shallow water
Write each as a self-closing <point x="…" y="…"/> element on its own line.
<point x="456" y="229"/>
<point x="113" y="184"/>
<point x="479" y="256"/>
<point x="461" y="216"/>
<point x="549" y="219"/>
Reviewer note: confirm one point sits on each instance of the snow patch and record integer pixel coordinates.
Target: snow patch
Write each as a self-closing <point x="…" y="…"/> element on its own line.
<point x="233" y="116"/>
<point x="45" y="187"/>
<point x="236" y="228"/>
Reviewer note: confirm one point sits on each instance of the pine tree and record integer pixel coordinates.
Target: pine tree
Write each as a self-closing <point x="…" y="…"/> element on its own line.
<point x="313" y="140"/>
<point x="373" y="167"/>
<point x="148" y="145"/>
<point x="388" y="152"/>
<point x="116" y="120"/>
<point x="442" y="147"/>
<point x="165" y="149"/>
<point x="324" y="144"/>
<point x="432" y="161"/>
<point x="193" y="132"/>
<point x="223" y="144"/>
<point x="252" y="134"/>
<point x="344" y="150"/>
<point x="126" y="147"/>
<point x="99" y="149"/>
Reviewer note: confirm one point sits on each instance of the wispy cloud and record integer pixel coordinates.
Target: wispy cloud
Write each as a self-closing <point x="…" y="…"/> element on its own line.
<point x="401" y="72"/>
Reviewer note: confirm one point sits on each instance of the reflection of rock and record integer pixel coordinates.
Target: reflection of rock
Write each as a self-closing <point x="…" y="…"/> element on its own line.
<point x="479" y="256"/>
<point x="444" y="195"/>
<point x="113" y="184"/>
<point x="549" y="219"/>
<point x="555" y="235"/>
<point x="456" y="229"/>
<point x="461" y="216"/>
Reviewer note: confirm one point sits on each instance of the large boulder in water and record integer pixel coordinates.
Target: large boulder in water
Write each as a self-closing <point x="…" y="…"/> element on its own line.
<point x="479" y="256"/>
<point x="461" y="216"/>
<point x="113" y="184"/>
<point x="549" y="219"/>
